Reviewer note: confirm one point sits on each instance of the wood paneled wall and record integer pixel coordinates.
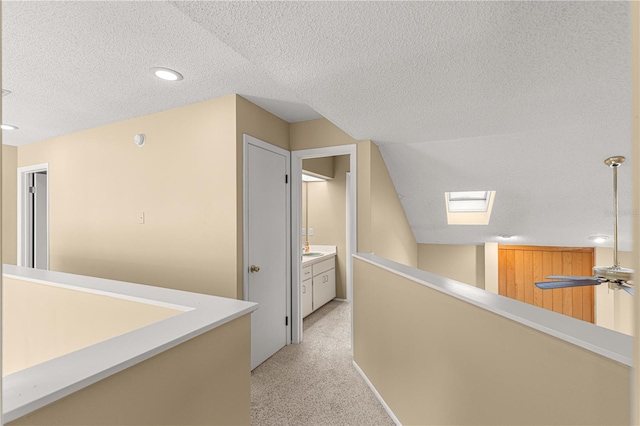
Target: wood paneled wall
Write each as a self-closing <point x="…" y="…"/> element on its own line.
<point x="519" y="267"/>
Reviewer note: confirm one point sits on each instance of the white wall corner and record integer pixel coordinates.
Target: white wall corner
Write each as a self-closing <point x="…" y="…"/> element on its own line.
<point x="491" y="267"/>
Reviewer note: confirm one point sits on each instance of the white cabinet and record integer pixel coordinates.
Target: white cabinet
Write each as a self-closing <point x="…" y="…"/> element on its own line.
<point x="307" y="273"/>
<point x="318" y="285"/>
<point x="324" y="288"/>
<point x="324" y="282"/>
<point x="307" y="291"/>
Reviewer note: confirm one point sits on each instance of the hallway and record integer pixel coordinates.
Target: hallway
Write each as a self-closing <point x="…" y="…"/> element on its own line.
<point x="315" y="383"/>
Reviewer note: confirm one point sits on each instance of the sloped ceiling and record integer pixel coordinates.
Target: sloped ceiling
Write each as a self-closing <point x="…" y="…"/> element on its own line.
<point x="525" y="98"/>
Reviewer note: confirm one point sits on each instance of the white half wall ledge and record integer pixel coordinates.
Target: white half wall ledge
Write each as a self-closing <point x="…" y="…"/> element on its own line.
<point x="607" y="343"/>
<point x="27" y="390"/>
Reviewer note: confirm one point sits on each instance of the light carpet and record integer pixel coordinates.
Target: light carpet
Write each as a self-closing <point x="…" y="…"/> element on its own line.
<point x="315" y="383"/>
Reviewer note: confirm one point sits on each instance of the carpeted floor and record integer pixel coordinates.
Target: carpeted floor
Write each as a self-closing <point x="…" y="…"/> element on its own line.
<point x="314" y="383"/>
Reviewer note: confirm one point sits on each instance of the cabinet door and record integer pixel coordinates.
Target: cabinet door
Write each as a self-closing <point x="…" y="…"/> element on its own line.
<point x="324" y="288"/>
<point x="307" y="297"/>
<point x="330" y="285"/>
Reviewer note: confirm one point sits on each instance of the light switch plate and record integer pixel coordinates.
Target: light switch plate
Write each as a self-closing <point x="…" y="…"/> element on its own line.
<point x="310" y="231"/>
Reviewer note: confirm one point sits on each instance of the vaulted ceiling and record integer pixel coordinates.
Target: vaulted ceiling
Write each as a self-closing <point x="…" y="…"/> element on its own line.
<point x="525" y="98"/>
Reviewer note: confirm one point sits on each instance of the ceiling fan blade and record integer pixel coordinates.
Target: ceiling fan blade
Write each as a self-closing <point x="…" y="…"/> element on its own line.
<point x="566" y="284"/>
<point x="628" y="290"/>
<point x="568" y="277"/>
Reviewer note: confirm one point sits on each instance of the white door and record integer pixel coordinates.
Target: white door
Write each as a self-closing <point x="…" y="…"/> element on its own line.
<point x="267" y="257"/>
<point x="33" y="251"/>
<point x="39" y="214"/>
<point x="307" y="297"/>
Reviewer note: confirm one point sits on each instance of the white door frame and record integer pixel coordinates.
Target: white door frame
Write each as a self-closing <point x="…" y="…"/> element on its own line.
<point x="23" y="188"/>
<point x="250" y="140"/>
<point x="296" y="224"/>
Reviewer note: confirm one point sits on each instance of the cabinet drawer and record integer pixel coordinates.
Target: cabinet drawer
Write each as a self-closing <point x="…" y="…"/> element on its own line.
<point x="323" y="266"/>
<point x="306" y="273"/>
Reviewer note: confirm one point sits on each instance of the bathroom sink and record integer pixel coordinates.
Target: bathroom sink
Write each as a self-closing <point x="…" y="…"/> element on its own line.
<point x="312" y="254"/>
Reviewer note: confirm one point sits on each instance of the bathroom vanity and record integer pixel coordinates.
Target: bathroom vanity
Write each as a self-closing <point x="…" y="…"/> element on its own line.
<point x="318" y="277"/>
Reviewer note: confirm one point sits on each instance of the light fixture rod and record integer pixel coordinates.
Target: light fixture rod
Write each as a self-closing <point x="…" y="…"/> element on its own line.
<point x="615" y="217"/>
<point x="614" y="163"/>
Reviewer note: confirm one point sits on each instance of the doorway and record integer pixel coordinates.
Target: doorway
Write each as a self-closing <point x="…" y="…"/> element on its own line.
<point x="297" y="224"/>
<point x="267" y="230"/>
<point x="33" y="216"/>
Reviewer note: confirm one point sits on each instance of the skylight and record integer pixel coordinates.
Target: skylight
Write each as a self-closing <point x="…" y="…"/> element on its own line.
<point x="468" y="201"/>
<point x="469" y="207"/>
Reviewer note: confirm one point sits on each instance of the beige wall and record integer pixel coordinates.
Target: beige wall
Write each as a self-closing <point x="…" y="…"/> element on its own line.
<point x="491" y="267"/>
<point x="464" y="263"/>
<point x="328" y="218"/>
<point x="614" y="309"/>
<point x="319" y="133"/>
<point x="383" y="227"/>
<point x="182" y="179"/>
<point x="365" y="244"/>
<point x="99" y="180"/>
<point x="429" y="354"/>
<point x="41" y="322"/>
<point x="204" y="381"/>
<point x="261" y="124"/>
<point x="322" y="166"/>
<point x="391" y="234"/>
<point x="9" y="204"/>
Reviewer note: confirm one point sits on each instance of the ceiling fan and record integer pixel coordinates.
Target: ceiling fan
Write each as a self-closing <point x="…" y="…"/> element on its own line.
<point x="617" y="277"/>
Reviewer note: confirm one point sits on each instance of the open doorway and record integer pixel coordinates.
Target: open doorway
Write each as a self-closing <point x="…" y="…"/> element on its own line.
<point x="346" y="161"/>
<point x="33" y="216"/>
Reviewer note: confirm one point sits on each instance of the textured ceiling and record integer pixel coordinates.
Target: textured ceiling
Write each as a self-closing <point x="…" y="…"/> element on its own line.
<point x="77" y="65"/>
<point x="525" y="98"/>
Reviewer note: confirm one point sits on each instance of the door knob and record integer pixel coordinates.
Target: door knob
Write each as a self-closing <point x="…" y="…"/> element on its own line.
<point x="254" y="268"/>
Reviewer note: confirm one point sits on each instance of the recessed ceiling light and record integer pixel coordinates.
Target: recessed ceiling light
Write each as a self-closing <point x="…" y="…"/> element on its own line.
<point x="598" y="238"/>
<point x="167" y="74"/>
<point x="505" y="236"/>
<point x="8" y="127"/>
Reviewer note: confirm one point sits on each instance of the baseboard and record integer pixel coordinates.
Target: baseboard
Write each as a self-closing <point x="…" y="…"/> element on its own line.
<point x="339" y="299"/>
<point x="375" y="392"/>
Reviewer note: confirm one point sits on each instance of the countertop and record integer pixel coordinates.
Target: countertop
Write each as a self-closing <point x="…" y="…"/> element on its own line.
<point x="327" y="252"/>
